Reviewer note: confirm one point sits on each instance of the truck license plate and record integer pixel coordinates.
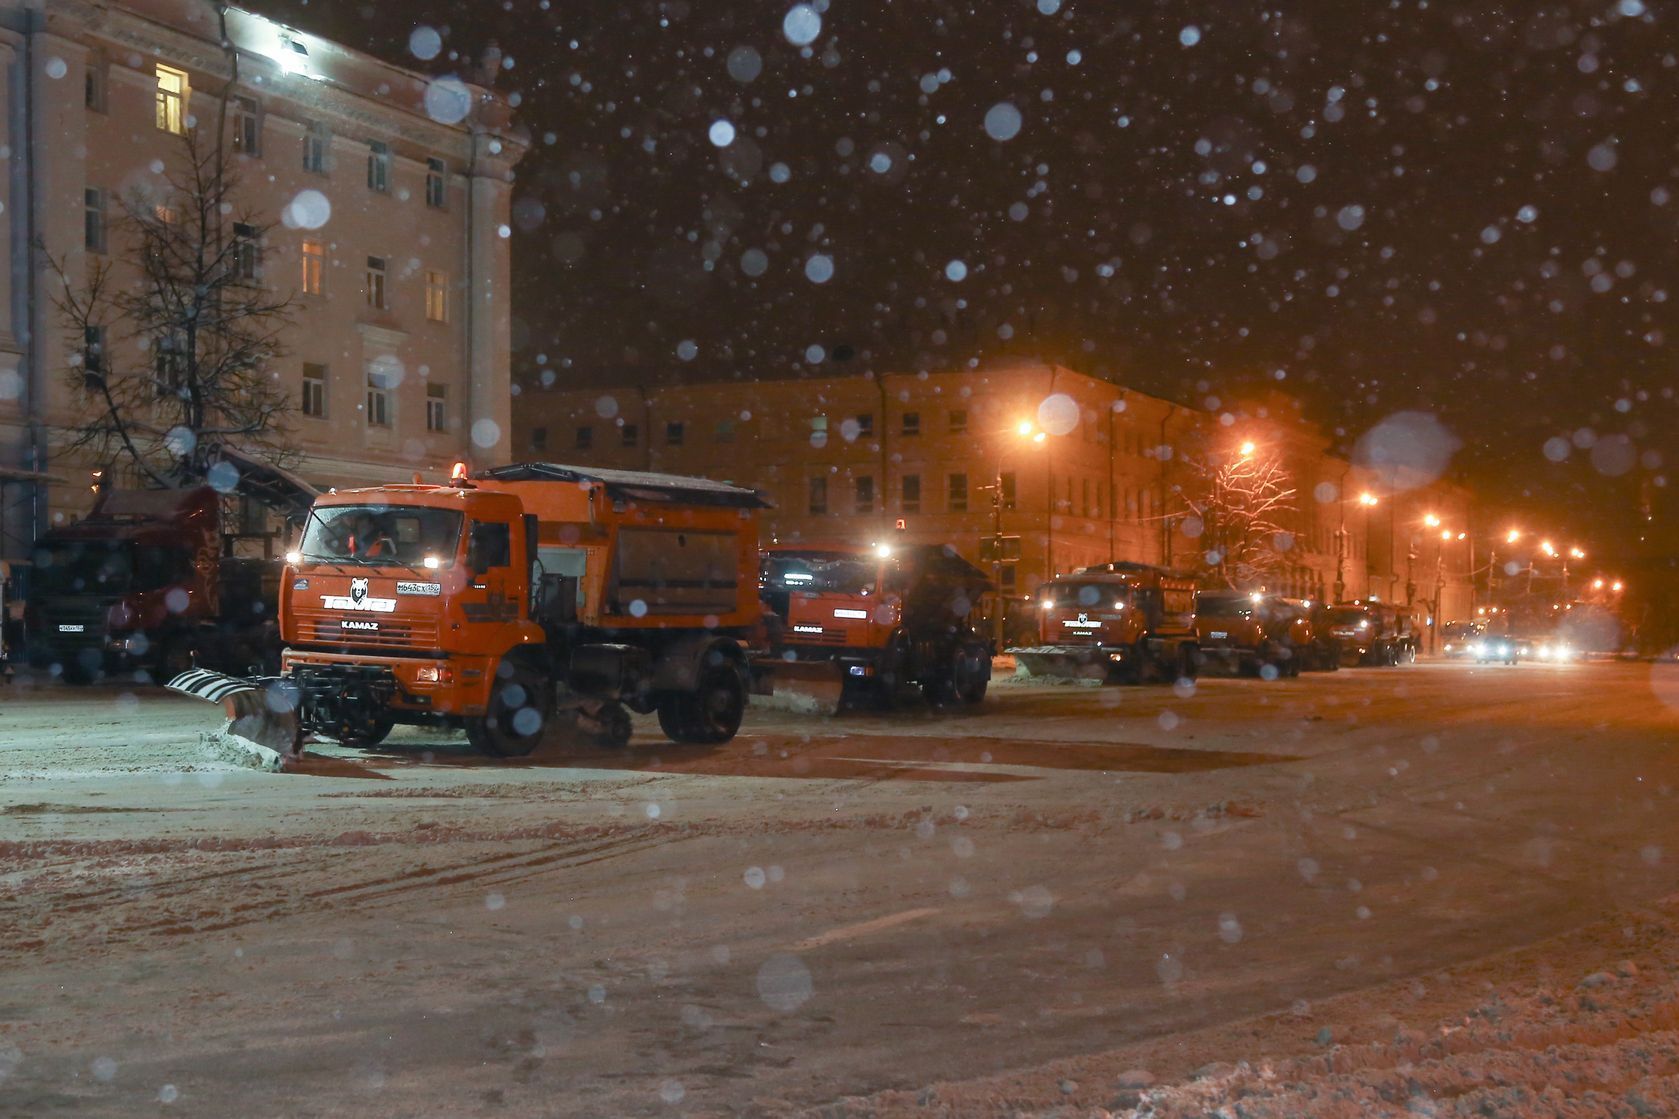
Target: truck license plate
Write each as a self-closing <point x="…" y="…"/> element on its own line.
<point x="1220" y="633"/>
<point x="72" y="628"/>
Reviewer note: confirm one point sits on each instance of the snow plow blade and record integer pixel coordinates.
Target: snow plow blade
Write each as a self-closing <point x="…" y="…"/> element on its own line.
<point x="806" y="687"/>
<point x="261" y="710"/>
<point x="1059" y="663"/>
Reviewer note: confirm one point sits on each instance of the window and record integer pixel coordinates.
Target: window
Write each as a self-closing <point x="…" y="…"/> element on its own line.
<point x="1007" y="585"/>
<point x="437" y="296"/>
<point x="957" y="500"/>
<point x="171" y="100"/>
<point x="539" y="439"/>
<point x="725" y="431"/>
<point x="1086" y="494"/>
<point x="437" y="183"/>
<point x="911" y="500"/>
<point x="247" y="127"/>
<point x="437" y="408"/>
<point x="958" y="420"/>
<point x="93" y="349"/>
<point x="629" y="434"/>
<point x="93" y="231"/>
<point x="169" y="362"/>
<point x="818" y="496"/>
<point x="376" y="282"/>
<point x="93" y="84"/>
<point x="585" y="437"/>
<point x="314" y="267"/>
<point x="863" y="491"/>
<point x="317" y="148"/>
<point x="379" y="167"/>
<point x="1010" y="489"/>
<point x="314" y="390"/>
<point x="674" y="433"/>
<point x="378" y="399"/>
<point x="247" y="252"/>
<point x="818" y="431"/>
<point x="911" y="422"/>
<point x="865" y="424"/>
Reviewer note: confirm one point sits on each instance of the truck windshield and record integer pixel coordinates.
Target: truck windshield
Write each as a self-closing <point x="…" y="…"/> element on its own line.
<point x="85" y="567"/>
<point x="1224" y="606"/>
<point x="1084" y="595"/>
<point x="1347" y="616"/>
<point x="816" y="571"/>
<point x="382" y="534"/>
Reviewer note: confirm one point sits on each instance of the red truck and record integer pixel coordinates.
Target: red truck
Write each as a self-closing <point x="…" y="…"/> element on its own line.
<point x="1120" y="622"/>
<point x="141" y="584"/>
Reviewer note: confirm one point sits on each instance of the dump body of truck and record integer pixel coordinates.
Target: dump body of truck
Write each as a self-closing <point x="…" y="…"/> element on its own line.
<point x="880" y="618"/>
<point x="1119" y="622"/>
<point x="142" y="584"/>
<point x="499" y="602"/>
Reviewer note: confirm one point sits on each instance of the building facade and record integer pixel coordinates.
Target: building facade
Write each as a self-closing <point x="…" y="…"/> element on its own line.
<point x="1067" y="470"/>
<point x="384" y="196"/>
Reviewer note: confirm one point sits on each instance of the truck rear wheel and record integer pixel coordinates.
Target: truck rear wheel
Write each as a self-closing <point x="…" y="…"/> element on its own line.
<point x="709" y="714"/>
<point x="520" y="707"/>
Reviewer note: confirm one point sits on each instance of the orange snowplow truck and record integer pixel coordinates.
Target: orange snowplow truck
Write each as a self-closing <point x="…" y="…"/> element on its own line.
<point x="1118" y="622"/>
<point x="883" y="618"/>
<point x="506" y="600"/>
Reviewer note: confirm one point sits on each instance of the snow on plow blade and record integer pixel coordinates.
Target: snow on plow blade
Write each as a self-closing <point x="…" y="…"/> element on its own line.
<point x="261" y="710"/>
<point x="807" y="687"/>
<point x="1050" y="661"/>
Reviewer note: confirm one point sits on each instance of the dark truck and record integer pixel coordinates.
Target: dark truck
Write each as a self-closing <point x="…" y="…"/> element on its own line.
<point x="148" y="583"/>
<point x="1120" y="622"/>
<point x="1371" y="632"/>
<point x="1262" y="635"/>
<point x="878" y="618"/>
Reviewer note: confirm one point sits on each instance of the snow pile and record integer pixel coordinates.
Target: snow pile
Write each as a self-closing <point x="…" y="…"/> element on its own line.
<point x="228" y="747"/>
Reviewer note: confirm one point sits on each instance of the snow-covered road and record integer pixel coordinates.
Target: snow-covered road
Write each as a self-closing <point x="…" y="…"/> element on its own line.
<point x="1108" y="880"/>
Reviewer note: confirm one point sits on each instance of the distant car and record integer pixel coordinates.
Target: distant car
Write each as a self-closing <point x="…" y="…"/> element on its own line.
<point x="1498" y="647"/>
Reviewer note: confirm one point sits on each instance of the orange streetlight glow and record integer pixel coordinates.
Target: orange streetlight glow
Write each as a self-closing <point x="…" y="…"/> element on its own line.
<point x="1512" y="536"/>
<point x="1616" y="587"/>
<point x="1367" y="499"/>
<point x="1026" y="427"/>
<point x="1597" y="584"/>
<point x="1247" y="448"/>
<point x="1446" y="535"/>
<point x="1431" y="521"/>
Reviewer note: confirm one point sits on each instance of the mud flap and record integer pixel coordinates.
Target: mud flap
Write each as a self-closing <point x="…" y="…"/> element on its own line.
<point x="262" y="709"/>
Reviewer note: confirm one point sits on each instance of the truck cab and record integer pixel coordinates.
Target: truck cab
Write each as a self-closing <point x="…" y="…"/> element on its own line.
<point x="1257" y="634"/>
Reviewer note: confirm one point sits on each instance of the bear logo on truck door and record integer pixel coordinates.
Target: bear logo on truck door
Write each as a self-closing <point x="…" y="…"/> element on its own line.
<point x="358" y="590"/>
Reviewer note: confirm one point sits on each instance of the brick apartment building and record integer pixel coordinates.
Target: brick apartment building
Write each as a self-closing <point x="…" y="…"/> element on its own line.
<point x="395" y="194"/>
<point x="1068" y="469"/>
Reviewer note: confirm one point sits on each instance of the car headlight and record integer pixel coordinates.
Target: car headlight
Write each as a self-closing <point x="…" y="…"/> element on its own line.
<point x="1448" y="646"/>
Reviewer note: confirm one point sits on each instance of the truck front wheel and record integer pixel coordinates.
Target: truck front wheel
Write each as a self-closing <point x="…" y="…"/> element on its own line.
<point x="709" y="714"/>
<point x="521" y="705"/>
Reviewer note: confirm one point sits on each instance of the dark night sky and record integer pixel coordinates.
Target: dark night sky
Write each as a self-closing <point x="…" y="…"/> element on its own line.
<point x="1459" y="208"/>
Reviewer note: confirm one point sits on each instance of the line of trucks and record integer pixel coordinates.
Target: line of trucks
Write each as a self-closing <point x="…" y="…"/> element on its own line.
<point x="514" y="598"/>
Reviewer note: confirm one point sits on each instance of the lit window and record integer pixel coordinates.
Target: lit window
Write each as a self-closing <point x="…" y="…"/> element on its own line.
<point x="94" y="220"/>
<point x="314" y="267"/>
<point x="247" y="126"/>
<point x="437" y="296"/>
<point x="314" y="390"/>
<point x="437" y="407"/>
<point x="379" y="167"/>
<point x="171" y="100"/>
<point x="437" y="183"/>
<point x="375" y="285"/>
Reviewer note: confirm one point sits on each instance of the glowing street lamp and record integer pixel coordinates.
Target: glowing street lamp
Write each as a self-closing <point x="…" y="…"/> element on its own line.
<point x="1431" y="521"/>
<point x="1545" y="546"/>
<point x="1247" y="448"/>
<point x="1597" y="584"/>
<point x="1512" y="536"/>
<point x="1367" y="499"/>
<point x="1616" y="587"/>
<point x="1577" y="553"/>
